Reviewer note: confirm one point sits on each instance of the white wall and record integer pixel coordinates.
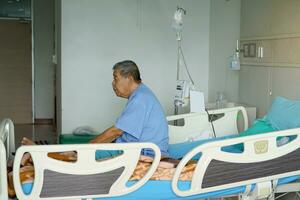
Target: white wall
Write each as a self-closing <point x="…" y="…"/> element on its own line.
<point x="224" y="31"/>
<point x="96" y="34"/>
<point x="43" y="30"/>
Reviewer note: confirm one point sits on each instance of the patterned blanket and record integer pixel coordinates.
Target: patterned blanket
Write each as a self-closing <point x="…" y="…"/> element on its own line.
<point x="164" y="171"/>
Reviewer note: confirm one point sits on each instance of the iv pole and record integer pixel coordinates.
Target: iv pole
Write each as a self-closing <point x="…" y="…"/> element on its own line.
<point x="176" y="104"/>
<point x="177" y="26"/>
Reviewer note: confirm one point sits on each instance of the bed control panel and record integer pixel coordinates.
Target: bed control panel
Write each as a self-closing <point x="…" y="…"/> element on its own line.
<point x="261" y="147"/>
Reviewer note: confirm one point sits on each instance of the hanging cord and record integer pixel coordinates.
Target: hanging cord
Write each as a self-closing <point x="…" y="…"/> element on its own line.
<point x="212" y="124"/>
<point x="187" y="70"/>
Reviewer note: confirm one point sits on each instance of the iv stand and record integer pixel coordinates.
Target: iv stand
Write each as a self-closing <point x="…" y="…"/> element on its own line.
<point x="176" y="105"/>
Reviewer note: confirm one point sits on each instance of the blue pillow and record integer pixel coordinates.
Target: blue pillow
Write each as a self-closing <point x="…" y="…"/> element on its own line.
<point x="284" y="114"/>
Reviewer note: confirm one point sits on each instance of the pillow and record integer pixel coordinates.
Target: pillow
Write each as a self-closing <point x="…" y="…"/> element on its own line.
<point x="259" y="126"/>
<point x="284" y="114"/>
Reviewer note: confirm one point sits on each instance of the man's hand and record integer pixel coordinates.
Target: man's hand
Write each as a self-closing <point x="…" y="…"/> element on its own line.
<point x="108" y="135"/>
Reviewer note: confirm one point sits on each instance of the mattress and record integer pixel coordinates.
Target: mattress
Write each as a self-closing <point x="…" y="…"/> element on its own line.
<point x="163" y="190"/>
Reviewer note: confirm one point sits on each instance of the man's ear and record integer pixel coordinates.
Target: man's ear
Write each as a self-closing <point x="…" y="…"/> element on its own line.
<point x="130" y="78"/>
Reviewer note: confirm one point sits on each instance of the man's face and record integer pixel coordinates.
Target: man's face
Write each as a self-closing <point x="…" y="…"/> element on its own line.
<point x="120" y="85"/>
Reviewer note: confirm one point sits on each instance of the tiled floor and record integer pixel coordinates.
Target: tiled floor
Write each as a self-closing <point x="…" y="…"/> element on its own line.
<point x="35" y="132"/>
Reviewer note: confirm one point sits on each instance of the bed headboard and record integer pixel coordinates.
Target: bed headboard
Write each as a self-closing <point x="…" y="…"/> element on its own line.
<point x="198" y="126"/>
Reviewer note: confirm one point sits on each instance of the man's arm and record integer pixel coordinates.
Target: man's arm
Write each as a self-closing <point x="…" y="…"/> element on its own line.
<point x="108" y="135"/>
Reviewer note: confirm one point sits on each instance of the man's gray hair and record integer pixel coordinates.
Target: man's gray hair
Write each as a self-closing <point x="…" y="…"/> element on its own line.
<point x="128" y="68"/>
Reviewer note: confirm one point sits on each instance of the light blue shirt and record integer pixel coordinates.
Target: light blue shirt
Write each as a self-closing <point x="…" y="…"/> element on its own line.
<point x="143" y="120"/>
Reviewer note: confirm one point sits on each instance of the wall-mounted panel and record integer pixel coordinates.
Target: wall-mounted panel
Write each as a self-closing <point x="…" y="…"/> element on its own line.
<point x="273" y="52"/>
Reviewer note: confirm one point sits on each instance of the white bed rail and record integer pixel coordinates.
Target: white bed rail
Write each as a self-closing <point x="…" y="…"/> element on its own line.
<point x="7" y="134"/>
<point x="3" y="177"/>
<point x="7" y="146"/>
<point x="257" y="148"/>
<point x="197" y="125"/>
<point x="85" y="165"/>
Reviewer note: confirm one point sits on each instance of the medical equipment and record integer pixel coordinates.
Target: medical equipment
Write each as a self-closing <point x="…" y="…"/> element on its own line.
<point x="182" y="86"/>
<point x="234" y="63"/>
<point x="182" y="93"/>
<point x="197" y="103"/>
<point x="177" y="24"/>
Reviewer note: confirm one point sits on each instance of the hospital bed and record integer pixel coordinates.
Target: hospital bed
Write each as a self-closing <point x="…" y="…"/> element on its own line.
<point x="223" y="168"/>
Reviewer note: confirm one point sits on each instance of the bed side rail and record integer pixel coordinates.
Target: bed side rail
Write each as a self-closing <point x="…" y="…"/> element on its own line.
<point x="198" y="126"/>
<point x="262" y="160"/>
<point x="86" y="178"/>
<point x="3" y="177"/>
<point x="7" y="135"/>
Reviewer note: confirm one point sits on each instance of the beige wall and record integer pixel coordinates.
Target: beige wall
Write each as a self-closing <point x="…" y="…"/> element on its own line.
<point x="273" y="25"/>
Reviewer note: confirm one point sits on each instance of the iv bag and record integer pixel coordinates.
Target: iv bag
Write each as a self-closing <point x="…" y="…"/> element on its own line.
<point x="235" y="62"/>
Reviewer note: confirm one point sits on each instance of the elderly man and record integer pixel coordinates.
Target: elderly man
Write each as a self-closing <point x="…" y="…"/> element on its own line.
<point x="142" y="120"/>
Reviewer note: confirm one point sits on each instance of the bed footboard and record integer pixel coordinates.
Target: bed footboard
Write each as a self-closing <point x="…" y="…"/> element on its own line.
<point x="86" y="178"/>
<point x="262" y="159"/>
<point x="198" y="125"/>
